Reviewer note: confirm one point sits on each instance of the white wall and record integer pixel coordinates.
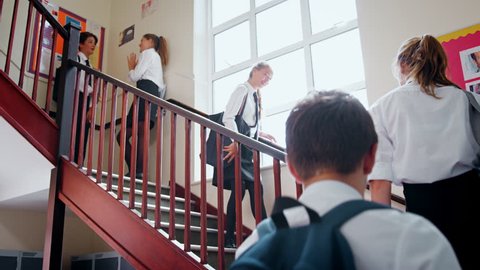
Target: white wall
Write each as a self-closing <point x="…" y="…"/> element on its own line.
<point x="384" y="25"/>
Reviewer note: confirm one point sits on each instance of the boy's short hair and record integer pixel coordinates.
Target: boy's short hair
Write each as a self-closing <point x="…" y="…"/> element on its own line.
<point x="328" y="130"/>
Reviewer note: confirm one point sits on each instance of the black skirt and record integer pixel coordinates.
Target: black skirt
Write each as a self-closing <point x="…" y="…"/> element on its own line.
<point x="452" y="205"/>
<point x="151" y="88"/>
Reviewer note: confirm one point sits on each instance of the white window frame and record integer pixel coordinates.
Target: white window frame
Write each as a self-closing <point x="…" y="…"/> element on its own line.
<point x="308" y="40"/>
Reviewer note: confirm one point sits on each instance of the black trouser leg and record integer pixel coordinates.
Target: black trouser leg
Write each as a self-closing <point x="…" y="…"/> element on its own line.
<point x="140" y="148"/>
<point x="128" y="147"/>
<point x="80" y="120"/>
<point x="250" y="186"/>
<point x="231" y="213"/>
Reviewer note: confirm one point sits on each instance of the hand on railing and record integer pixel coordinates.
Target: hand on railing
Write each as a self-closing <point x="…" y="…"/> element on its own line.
<point x="267" y="136"/>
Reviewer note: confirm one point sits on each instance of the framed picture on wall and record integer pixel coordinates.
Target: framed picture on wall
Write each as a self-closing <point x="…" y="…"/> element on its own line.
<point x="473" y="86"/>
<point x="471" y="63"/>
<point x="64" y="17"/>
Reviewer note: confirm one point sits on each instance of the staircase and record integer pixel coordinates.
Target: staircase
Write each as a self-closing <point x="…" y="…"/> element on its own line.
<point x="151" y="226"/>
<point x="179" y="210"/>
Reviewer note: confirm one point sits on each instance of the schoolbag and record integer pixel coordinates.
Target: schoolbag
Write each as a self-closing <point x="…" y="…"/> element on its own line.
<point x="319" y="244"/>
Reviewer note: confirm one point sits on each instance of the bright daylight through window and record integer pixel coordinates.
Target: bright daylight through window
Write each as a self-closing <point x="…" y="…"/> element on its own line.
<point x="310" y="45"/>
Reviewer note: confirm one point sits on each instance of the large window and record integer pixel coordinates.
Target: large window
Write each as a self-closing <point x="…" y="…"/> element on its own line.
<point x="310" y="45"/>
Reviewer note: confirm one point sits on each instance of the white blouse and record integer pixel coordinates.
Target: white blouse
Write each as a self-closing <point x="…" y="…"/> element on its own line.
<point x="149" y="67"/>
<point x="82" y="59"/>
<point x="233" y="107"/>
<point x="423" y="139"/>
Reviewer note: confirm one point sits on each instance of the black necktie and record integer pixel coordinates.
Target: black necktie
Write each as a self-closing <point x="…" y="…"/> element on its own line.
<point x="255" y="98"/>
<point x="89" y="77"/>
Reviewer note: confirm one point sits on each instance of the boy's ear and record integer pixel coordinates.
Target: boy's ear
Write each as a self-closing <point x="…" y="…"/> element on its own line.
<point x="369" y="159"/>
<point x="293" y="171"/>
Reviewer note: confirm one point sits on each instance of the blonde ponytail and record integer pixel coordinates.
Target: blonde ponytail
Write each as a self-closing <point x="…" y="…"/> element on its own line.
<point x="426" y="61"/>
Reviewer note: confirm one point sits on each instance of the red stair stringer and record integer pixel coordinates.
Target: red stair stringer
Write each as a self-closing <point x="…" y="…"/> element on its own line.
<point x="135" y="240"/>
<point x="20" y="111"/>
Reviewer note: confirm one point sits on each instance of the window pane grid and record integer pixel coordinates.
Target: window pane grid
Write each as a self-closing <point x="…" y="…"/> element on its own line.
<point x="307" y="51"/>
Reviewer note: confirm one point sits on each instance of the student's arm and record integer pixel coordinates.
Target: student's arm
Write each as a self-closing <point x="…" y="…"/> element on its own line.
<point x="136" y="73"/>
<point x="231" y="110"/>
<point x="233" y="106"/>
<point x="382" y="173"/>
<point x="381" y="191"/>
<point x="267" y="136"/>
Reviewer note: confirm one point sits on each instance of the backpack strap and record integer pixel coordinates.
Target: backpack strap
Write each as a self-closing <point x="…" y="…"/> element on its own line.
<point x="347" y="210"/>
<point x="280" y="219"/>
<point x="242" y="108"/>
<point x="336" y="217"/>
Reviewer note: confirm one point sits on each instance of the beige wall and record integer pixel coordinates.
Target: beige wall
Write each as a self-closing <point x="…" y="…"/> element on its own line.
<point x="384" y="25"/>
<point x="174" y="21"/>
<point x="25" y="231"/>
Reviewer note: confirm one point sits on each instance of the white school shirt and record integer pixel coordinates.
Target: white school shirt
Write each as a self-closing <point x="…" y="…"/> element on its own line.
<point x="422" y="139"/>
<point x="82" y="59"/>
<point x="379" y="238"/>
<point x="234" y="104"/>
<point x="149" y="67"/>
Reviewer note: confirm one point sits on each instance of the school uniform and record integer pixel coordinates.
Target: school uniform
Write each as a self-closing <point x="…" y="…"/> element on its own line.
<point x="148" y="75"/>
<point x="379" y="239"/>
<point x="83" y="90"/>
<point x="427" y="145"/>
<point x="243" y="93"/>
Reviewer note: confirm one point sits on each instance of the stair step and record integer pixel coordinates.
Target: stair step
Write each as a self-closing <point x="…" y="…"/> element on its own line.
<point x="164" y="199"/>
<point x="179" y="215"/>
<point x="212" y="255"/>
<point x="126" y="179"/>
<point x="195" y="229"/>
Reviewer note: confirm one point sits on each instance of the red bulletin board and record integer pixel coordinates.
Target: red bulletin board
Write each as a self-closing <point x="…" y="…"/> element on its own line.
<point x="459" y="47"/>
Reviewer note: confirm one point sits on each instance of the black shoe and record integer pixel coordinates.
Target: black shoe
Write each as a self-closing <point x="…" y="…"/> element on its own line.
<point x="230" y="243"/>
<point x="139" y="175"/>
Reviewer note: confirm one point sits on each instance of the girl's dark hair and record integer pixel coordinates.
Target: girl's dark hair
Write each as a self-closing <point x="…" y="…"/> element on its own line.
<point x="160" y="45"/>
<point x="85" y="35"/>
<point x="427" y="62"/>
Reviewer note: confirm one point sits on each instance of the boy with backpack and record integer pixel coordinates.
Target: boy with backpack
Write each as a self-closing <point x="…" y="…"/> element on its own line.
<point x="331" y="144"/>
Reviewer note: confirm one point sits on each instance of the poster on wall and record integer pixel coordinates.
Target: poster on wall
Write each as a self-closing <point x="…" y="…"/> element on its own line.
<point x="463" y="51"/>
<point x="126" y="35"/>
<point x="473" y="86"/>
<point x="149" y="7"/>
<point x="64" y="17"/>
